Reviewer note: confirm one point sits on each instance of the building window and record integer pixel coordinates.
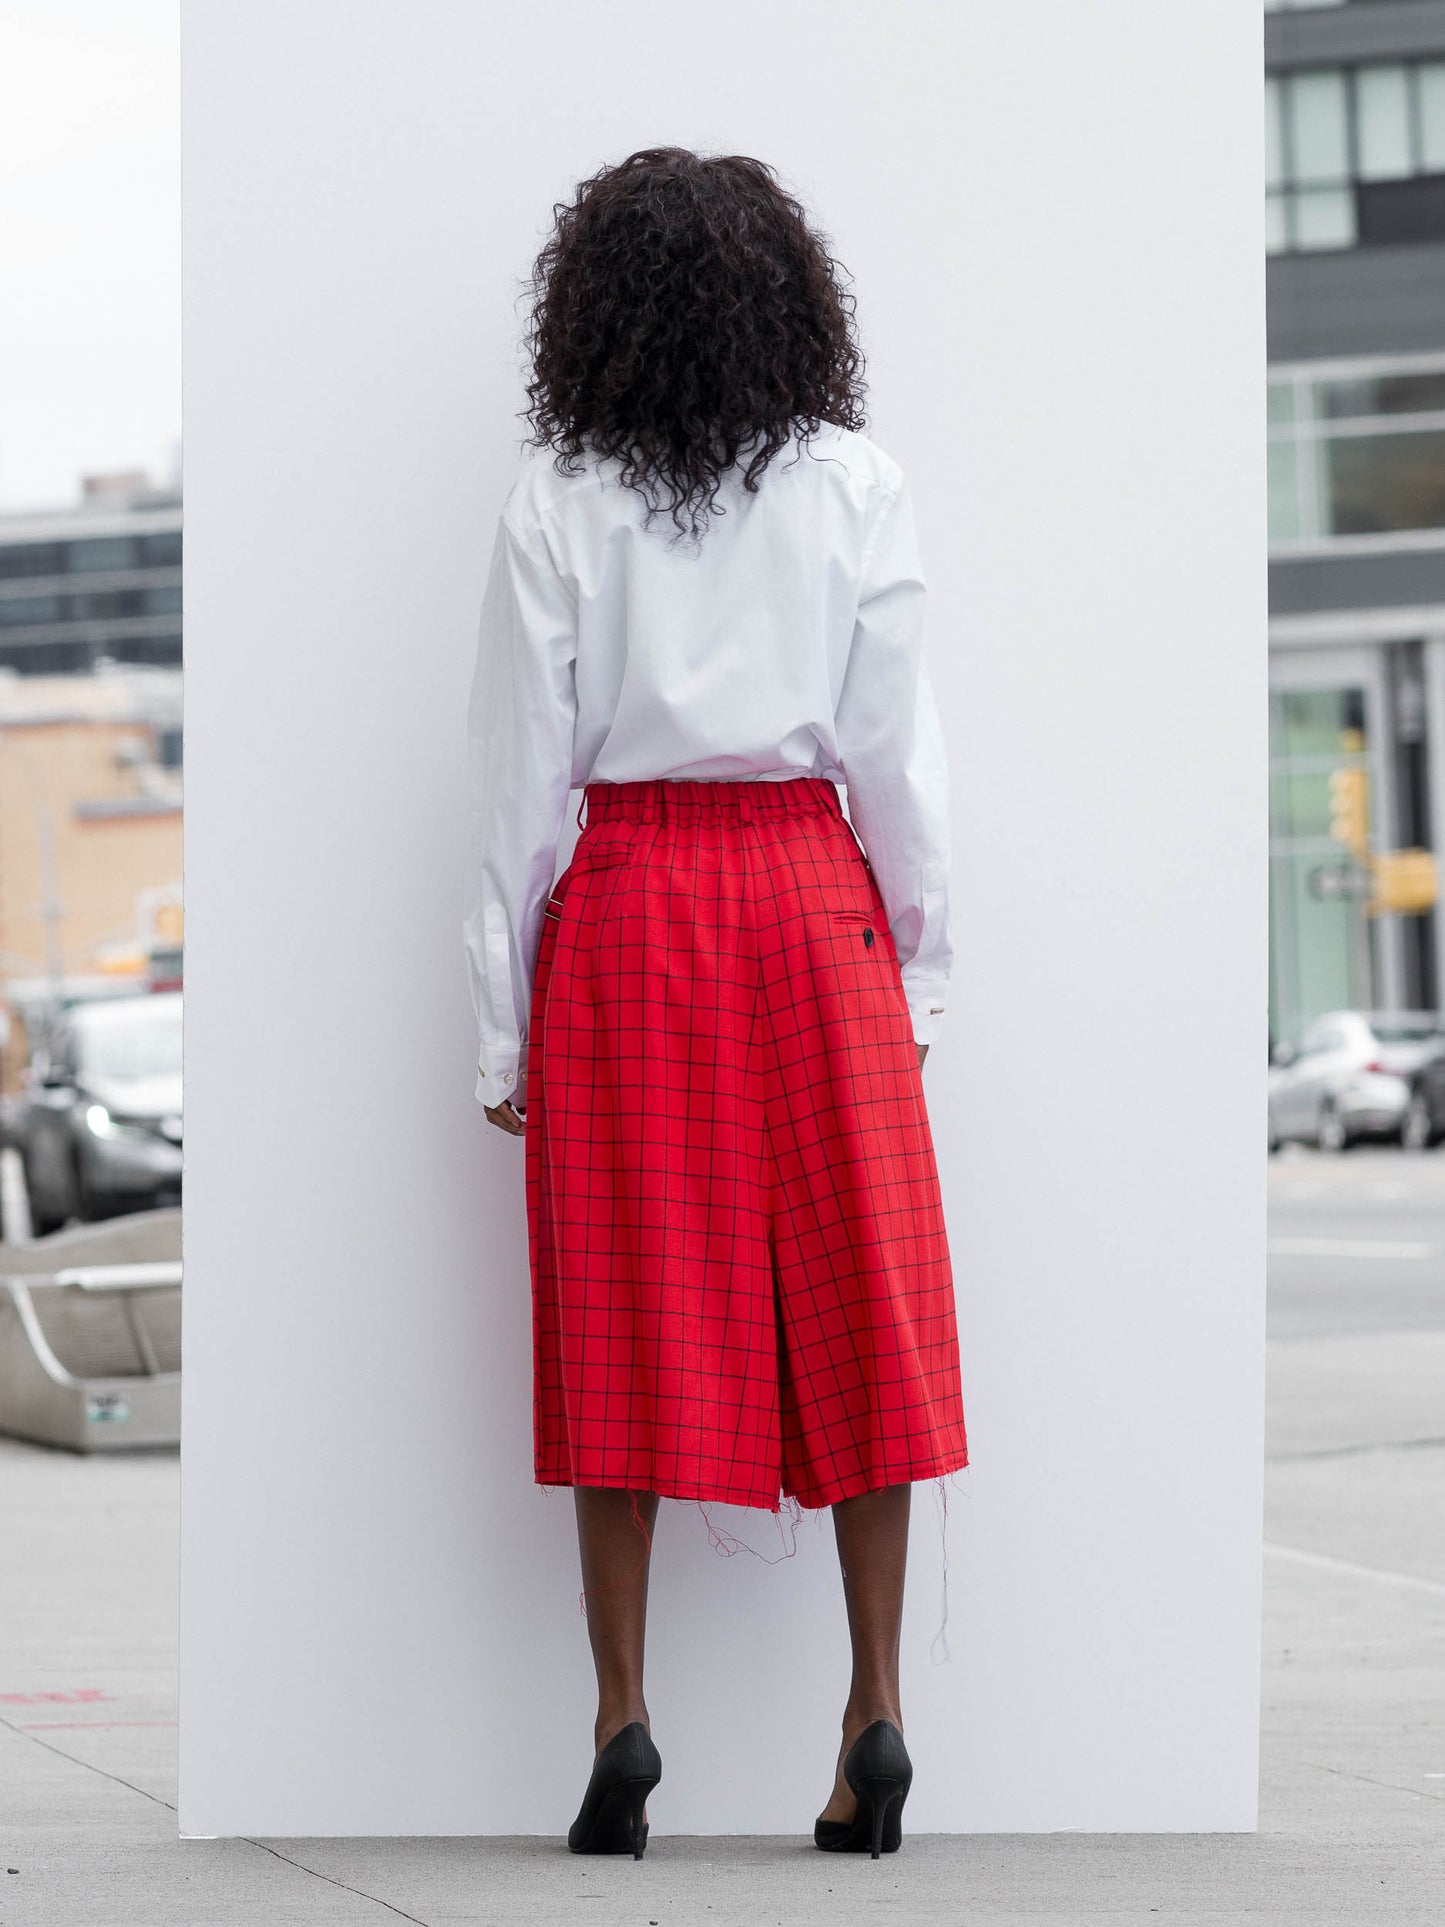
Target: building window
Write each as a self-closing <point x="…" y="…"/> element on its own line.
<point x="1356" y="453"/>
<point x="47" y="659"/>
<point x="109" y="605"/>
<point x="162" y="550"/>
<point x="19" y="559"/>
<point x="102" y="552"/>
<point x="160" y="650"/>
<point x="21" y="611"/>
<point x="1355" y="156"/>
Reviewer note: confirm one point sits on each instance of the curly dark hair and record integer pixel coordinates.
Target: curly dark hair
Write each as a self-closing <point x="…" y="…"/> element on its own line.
<point x="684" y="309"/>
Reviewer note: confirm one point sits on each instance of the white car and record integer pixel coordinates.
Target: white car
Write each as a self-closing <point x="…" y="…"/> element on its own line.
<point x="1349" y="1076"/>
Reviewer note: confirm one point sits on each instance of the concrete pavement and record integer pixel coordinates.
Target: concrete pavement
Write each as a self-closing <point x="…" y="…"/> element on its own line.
<point x="1353" y="1788"/>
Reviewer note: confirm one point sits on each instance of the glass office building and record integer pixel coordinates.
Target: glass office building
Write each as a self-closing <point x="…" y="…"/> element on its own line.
<point x="1355" y="194"/>
<point x="100" y="582"/>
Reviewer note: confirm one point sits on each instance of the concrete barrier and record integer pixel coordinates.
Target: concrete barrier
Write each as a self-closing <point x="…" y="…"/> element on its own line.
<point x="90" y="1335"/>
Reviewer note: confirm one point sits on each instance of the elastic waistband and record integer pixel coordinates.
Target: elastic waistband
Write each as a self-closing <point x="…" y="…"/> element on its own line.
<point x="697" y="798"/>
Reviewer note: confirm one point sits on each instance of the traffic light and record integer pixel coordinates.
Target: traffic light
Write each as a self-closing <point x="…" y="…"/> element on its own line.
<point x="1350" y="809"/>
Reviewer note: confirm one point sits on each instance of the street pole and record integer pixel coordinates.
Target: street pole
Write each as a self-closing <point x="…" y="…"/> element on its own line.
<point x="51" y="908"/>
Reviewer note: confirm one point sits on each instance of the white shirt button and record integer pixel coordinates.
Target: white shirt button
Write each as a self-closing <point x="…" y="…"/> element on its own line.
<point x="506" y="1077"/>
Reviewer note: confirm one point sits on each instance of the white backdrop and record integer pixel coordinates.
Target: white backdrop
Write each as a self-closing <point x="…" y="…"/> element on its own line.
<point x="1052" y="215"/>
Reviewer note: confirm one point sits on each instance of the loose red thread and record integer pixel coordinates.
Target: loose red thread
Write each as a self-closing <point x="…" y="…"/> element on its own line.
<point x="726" y="1543"/>
<point x="942" y="1633"/>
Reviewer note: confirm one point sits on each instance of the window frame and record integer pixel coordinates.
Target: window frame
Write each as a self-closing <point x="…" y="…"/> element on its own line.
<point x="1289" y="191"/>
<point x="1305" y="429"/>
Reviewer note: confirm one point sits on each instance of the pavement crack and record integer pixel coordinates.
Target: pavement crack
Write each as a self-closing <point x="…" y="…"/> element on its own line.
<point x="332" y="1881"/>
<point x="90" y="1767"/>
<point x="1390" y="1786"/>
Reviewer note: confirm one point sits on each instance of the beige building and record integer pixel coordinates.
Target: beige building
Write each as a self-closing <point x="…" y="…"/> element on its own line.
<point x="90" y="835"/>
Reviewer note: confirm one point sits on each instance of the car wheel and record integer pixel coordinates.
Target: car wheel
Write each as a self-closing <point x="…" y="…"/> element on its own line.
<point x="1417" y="1130"/>
<point x="42" y="1222"/>
<point x="1330" y="1133"/>
<point x="84" y="1203"/>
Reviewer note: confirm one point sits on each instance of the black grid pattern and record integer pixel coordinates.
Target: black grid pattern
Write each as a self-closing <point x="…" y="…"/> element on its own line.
<point x="740" y="1269"/>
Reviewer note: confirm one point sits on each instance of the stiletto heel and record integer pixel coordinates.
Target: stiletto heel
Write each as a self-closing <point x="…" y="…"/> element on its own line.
<point x="883" y="1800"/>
<point x="637" y="1791"/>
<point x="878" y="1769"/>
<point x="623" y="1774"/>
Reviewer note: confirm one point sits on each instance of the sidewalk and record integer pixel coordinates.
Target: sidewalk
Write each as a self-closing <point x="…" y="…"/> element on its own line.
<point x="1353" y="1804"/>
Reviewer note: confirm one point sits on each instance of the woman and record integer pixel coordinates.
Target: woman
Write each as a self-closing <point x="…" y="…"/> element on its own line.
<point x="705" y="610"/>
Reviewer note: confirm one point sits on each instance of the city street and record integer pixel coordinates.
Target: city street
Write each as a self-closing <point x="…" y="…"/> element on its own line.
<point x="395" y="453"/>
<point x="1352" y="1824"/>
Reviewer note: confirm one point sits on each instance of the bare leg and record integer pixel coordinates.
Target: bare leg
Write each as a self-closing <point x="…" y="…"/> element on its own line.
<point x="616" y="1558"/>
<point x="872" y="1536"/>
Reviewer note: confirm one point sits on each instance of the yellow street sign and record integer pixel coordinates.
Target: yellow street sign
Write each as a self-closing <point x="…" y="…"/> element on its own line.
<point x="1406" y="881"/>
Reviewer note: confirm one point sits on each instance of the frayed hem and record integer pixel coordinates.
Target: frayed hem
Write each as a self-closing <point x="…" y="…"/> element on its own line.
<point x="791" y="1505"/>
<point x="565" y="1481"/>
<point x="819" y="1497"/>
<point x="811" y="1499"/>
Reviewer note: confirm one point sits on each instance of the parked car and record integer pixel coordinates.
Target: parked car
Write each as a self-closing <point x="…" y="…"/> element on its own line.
<point x="1354" y="1075"/>
<point x="1424" y="1124"/>
<point x="102" y="1127"/>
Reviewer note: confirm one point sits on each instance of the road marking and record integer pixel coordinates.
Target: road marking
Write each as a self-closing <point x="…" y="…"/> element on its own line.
<point x="1349" y="1248"/>
<point x="33" y="1726"/>
<point x="1406" y="1580"/>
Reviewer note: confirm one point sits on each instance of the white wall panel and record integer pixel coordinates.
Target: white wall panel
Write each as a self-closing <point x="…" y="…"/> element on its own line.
<point x="1052" y="214"/>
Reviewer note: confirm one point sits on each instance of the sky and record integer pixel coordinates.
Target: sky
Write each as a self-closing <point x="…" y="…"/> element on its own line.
<point x="90" y="244"/>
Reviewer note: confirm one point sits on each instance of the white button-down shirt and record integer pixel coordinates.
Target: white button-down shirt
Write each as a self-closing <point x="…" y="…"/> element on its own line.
<point x="788" y="643"/>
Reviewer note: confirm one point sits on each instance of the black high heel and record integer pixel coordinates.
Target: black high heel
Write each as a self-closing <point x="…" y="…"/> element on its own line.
<point x="878" y="1769"/>
<point x="623" y="1774"/>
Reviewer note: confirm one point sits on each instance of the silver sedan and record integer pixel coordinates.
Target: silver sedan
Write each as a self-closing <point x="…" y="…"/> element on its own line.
<point x="1350" y="1075"/>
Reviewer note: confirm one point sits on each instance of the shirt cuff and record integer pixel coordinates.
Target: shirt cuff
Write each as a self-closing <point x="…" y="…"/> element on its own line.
<point x="502" y="1076"/>
<point x="925" y="1007"/>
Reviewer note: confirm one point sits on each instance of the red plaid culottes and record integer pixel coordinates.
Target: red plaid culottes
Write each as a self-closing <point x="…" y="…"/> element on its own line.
<point x="740" y="1271"/>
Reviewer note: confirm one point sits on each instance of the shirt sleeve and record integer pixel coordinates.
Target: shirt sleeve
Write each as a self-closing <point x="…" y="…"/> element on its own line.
<point x="894" y="761"/>
<point x="520" y="723"/>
